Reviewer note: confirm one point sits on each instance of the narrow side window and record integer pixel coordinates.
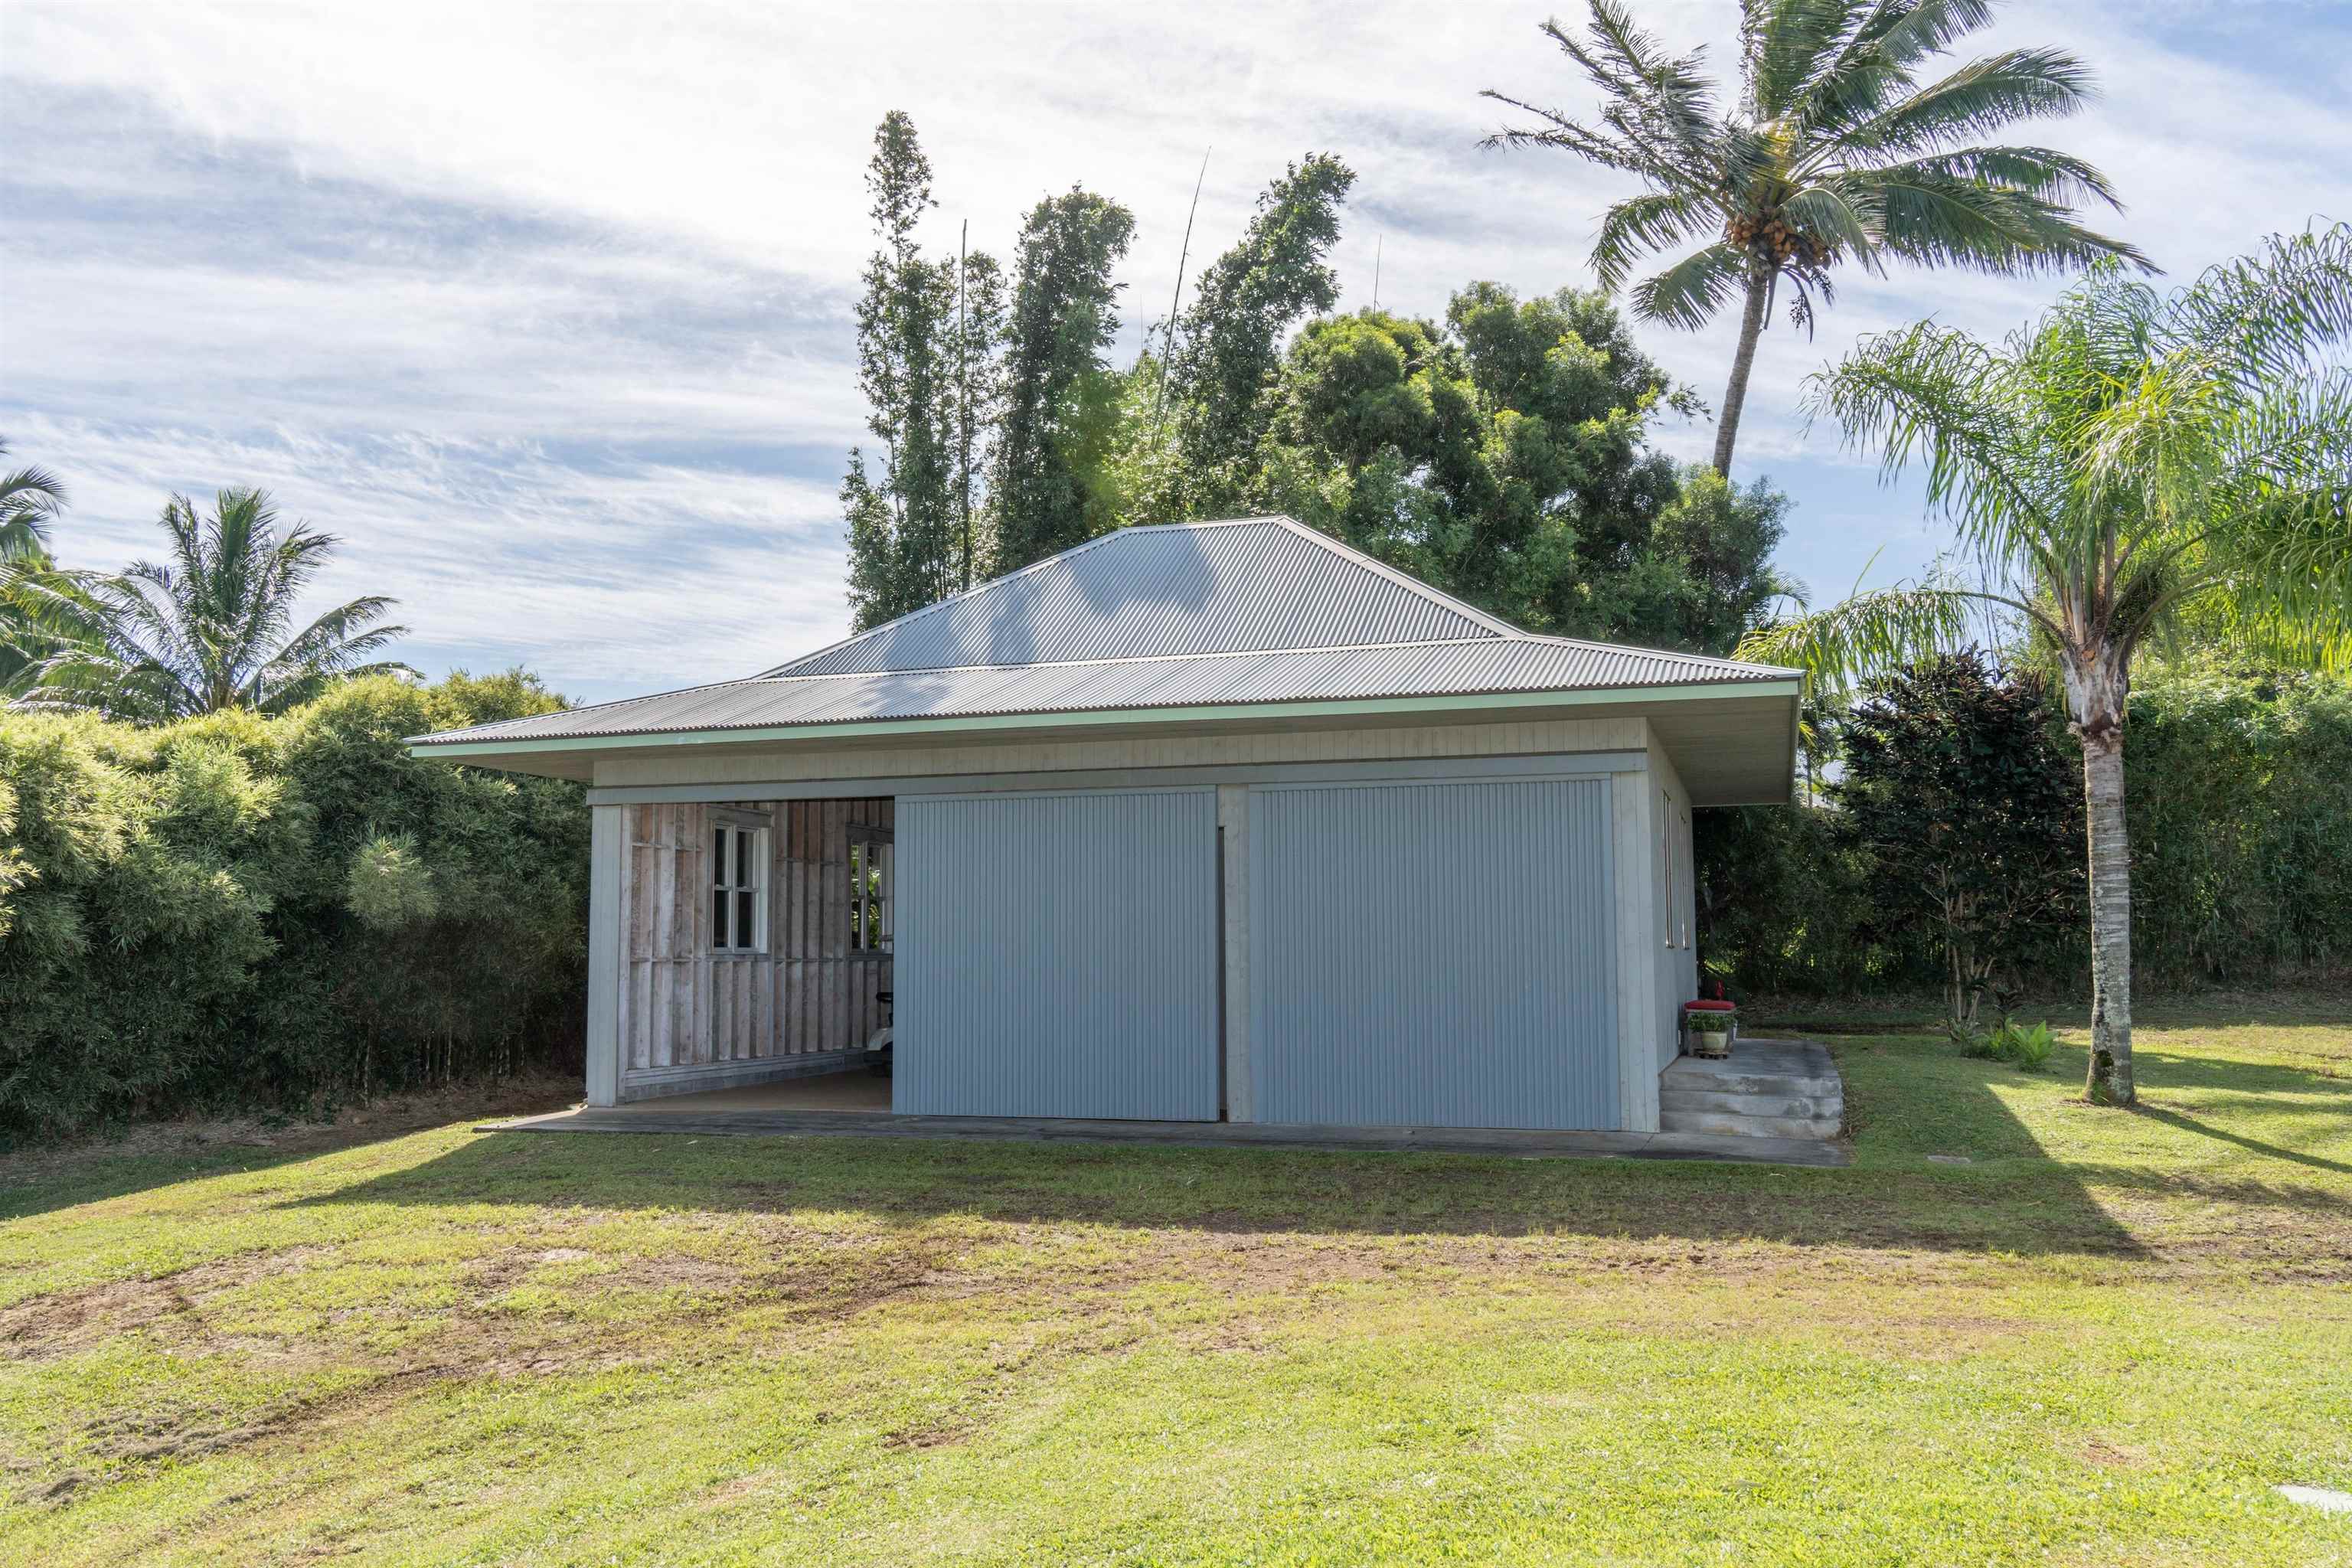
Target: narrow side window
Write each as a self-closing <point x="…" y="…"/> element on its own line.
<point x="739" y="882"/>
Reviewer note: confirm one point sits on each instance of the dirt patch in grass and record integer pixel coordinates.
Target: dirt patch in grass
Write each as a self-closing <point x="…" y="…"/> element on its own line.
<point x="2108" y="1456"/>
<point x="926" y="1435"/>
<point x="68" y="1321"/>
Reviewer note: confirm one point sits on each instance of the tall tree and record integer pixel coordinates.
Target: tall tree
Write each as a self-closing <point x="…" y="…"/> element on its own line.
<point x="979" y="397"/>
<point x="1058" y="386"/>
<point x="1837" y="152"/>
<point x="1501" y="455"/>
<point x="213" y="627"/>
<point x="1228" y="344"/>
<point x="2129" y="461"/>
<point x="902" y="520"/>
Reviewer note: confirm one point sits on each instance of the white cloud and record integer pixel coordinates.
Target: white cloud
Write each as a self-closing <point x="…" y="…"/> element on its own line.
<point x="545" y="309"/>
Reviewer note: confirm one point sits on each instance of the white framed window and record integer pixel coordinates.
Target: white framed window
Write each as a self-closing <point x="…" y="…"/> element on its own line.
<point x="738" y="886"/>
<point x="871" y="894"/>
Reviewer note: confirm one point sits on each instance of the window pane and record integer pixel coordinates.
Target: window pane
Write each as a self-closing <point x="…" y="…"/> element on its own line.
<point x="742" y="859"/>
<point x="718" y="919"/>
<point x="719" y="858"/>
<point x="747" y="924"/>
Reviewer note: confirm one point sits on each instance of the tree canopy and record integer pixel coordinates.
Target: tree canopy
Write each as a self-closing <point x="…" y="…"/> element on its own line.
<point x="1502" y="455"/>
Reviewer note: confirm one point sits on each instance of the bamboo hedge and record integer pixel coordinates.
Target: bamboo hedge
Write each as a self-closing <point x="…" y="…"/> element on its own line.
<point x="232" y="912"/>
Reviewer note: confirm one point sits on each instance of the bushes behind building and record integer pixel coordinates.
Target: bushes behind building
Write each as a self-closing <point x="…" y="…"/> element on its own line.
<point x="2238" y="800"/>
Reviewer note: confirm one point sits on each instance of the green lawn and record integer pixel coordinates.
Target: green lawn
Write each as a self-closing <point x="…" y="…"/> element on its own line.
<point x="2104" y="1340"/>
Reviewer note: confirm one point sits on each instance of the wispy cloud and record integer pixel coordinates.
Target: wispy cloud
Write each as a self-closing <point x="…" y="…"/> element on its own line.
<point x="546" y="310"/>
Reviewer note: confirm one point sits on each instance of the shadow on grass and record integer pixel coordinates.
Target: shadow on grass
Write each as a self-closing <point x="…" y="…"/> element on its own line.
<point x="2312" y="1089"/>
<point x="2016" y="1201"/>
<point x="2254" y="1145"/>
<point x="38" y="1180"/>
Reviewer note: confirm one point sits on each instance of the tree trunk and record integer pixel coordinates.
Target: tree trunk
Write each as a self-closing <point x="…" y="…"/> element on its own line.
<point x="1735" y="397"/>
<point x="2096" y="686"/>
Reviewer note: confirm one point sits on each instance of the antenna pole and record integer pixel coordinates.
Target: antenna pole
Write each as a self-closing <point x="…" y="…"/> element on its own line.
<point x="963" y="401"/>
<point x="1168" y="338"/>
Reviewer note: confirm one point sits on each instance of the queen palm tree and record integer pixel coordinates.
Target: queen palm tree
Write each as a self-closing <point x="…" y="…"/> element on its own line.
<point x="2130" y="464"/>
<point x="1837" y="153"/>
<point x="213" y="628"/>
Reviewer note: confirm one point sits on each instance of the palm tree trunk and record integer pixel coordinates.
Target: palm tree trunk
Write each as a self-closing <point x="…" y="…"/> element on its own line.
<point x="2097" y="687"/>
<point x="1735" y="397"/>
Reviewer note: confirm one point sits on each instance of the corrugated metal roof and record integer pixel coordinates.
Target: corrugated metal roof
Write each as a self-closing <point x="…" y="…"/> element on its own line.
<point x="1254" y="584"/>
<point x="1496" y="665"/>
<point x="1180" y="616"/>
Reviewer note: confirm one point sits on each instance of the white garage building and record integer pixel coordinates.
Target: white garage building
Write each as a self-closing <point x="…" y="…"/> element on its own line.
<point x="1199" y="822"/>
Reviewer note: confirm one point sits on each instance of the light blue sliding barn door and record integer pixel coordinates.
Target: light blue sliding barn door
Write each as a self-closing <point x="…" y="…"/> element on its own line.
<point x="1056" y="955"/>
<point x="1433" y="955"/>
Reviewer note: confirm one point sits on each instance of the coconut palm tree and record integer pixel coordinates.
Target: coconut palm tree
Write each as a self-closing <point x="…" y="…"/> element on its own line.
<point x="30" y="499"/>
<point x="1837" y="153"/>
<point x="2128" y="466"/>
<point x="212" y="629"/>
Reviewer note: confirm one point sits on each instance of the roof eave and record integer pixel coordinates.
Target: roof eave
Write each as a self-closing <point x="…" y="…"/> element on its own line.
<point x="459" y="749"/>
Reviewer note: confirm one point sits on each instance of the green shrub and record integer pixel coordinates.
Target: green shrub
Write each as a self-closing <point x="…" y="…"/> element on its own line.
<point x="2008" y="1041"/>
<point x="2240" y="810"/>
<point x="2239" y="792"/>
<point x="238" y="911"/>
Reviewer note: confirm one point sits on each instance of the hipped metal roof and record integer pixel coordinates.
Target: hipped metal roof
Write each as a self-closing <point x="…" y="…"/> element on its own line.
<point x="1254" y="611"/>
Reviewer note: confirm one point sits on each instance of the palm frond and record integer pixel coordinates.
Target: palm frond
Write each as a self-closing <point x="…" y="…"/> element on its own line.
<point x="1911" y="31"/>
<point x="1840" y="646"/>
<point x="2275" y="310"/>
<point x="1851" y="60"/>
<point x="1981" y="96"/>
<point x="2057" y="178"/>
<point x="1779" y="41"/>
<point x="1647" y="223"/>
<point x="1934" y="218"/>
<point x="1875" y="63"/>
<point x="1688" y="293"/>
<point x="1561" y="130"/>
<point x="1658" y="111"/>
<point x="30" y="501"/>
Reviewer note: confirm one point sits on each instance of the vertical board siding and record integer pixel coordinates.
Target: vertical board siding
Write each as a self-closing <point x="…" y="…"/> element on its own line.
<point x="1433" y="955"/>
<point x="682" y="1005"/>
<point x="1058" y="955"/>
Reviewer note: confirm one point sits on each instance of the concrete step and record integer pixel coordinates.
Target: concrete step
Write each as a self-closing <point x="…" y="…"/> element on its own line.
<point x="1732" y="1124"/>
<point x="1802" y="1107"/>
<point x="1719" y="1079"/>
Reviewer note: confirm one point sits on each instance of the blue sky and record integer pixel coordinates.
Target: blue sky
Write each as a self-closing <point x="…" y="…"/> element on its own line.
<point x="546" y="311"/>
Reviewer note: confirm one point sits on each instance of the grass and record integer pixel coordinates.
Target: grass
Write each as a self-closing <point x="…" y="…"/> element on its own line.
<point x="2103" y="1339"/>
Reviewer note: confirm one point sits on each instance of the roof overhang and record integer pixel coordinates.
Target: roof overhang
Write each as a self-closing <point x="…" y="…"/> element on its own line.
<point x="1732" y="742"/>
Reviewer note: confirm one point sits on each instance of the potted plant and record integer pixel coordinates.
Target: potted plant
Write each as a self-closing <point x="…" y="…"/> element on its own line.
<point x="1709" y="1027"/>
